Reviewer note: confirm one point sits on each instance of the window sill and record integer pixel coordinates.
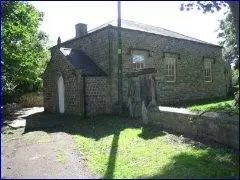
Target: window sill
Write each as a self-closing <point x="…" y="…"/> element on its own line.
<point x="170" y="81"/>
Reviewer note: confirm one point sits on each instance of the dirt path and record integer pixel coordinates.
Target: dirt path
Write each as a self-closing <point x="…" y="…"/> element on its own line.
<point x="38" y="154"/>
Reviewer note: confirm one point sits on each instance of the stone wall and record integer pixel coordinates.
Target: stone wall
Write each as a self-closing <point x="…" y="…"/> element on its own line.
<point x="101" y="47"/>
<point x="189" y="84"/>
<point x="60" y="66"/>
<point x="219" y="127"/>
<point x="141" y="88"/>
<point x="98" y="46"/>
<point x="96" y="96"/>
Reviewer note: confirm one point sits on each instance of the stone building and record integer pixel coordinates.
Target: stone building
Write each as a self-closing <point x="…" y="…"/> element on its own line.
<point x="82" y="75"/>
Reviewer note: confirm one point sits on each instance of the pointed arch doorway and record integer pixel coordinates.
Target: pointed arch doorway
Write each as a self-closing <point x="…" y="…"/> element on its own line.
<point x="61" y="105"/>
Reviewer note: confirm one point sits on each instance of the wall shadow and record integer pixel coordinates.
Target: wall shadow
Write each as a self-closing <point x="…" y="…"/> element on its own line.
<point x="97" y="127"/>
<point x="183" y="165"/>
<point x="210" y="164"/>
<point x="151" y="132"/>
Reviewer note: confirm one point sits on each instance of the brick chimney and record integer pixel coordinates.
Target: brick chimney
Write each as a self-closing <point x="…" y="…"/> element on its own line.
<point x="81" y="29"/>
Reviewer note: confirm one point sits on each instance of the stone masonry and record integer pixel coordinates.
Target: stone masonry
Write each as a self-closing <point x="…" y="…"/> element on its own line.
<point x="73" y="85"/>
<point x="96" y="95"/>
<point x="217" y="126"/>
<point x="101" y="92"/>
<point x="189" y="84"/>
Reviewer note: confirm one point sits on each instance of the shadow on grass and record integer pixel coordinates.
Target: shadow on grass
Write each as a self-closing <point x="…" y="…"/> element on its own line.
<point x="150" y="132"/>
<point x="112" y="157"/>
<point x="210" y="164"/>
<point x="97" y="127"/>
<point x="182" y="165"/>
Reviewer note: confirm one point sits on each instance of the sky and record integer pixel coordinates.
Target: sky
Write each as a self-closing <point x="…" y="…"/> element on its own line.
<point x="60" y="17"/>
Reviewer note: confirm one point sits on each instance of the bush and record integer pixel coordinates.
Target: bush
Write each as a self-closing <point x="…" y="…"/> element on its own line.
<point x="235" y="77"/>
<point x="31" y="99"/>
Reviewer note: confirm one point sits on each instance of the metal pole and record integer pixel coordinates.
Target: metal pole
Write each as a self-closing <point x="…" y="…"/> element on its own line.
<point x="120" y="76"/>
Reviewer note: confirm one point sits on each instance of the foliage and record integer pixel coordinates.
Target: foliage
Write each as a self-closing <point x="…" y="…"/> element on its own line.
<point x="205" y="6"/>
<point x="32" y="99"/>
<point x="235" y="81"/>
<point x="236" y="100"/>
<point x="227" y="36"/>
<point x="24" y="50"/>
<point x="230" y="41"/>
<point x="117" y="148"/>
<point x="228" y="29"/>
<point x="224" y="105"/>
<point x="235" y="77"/>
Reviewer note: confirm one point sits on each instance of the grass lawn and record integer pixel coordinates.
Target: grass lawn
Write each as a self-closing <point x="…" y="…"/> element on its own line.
<point x="224" y="105"/>
<point x="120" y="148"/>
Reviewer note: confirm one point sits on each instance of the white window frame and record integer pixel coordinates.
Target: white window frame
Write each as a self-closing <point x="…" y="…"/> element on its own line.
<point x="170" y="61"/>
<point x="139" y="64"/>
<point x="207" y="70"/>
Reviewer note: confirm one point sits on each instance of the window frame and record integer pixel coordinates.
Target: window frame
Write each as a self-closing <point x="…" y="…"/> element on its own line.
<point x="142" y="63"/>
<point x="168" y="63"/>
<point x="208" y="62"/>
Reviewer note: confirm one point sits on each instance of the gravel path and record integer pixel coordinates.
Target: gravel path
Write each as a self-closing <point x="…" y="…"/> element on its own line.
<point x="38" y="154"/>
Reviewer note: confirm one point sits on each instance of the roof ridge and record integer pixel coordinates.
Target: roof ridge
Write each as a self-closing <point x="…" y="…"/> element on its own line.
<point x="134" y="25"/>
<point x="101" y="26"/>
<point x="166" y="30"/>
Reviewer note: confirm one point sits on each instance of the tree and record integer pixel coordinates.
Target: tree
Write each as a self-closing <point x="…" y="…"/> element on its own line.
<point x="24" y="50"/>
<point x="227" y="36"/>
<point x="226" y="26"/>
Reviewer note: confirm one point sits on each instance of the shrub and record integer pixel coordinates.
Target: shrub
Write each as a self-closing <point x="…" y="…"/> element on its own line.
<point x="31" y="99"/>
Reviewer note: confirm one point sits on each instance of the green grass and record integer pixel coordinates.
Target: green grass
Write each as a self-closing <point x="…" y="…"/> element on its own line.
<point x="8" y="134"/>
<point x="120" y="148"/>
<point x="223" y="105"/>
<point x="61" y="156"/>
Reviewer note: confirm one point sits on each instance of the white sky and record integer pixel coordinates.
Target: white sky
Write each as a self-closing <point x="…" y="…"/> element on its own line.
<point x="61" y="16"/>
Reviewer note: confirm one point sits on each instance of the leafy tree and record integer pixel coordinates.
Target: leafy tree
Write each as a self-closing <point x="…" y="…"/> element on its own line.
<point x="24" y="50"/>
<point x="231" y="52"/>
<point x="227" y="36"/>
<point x="205" y="6"/>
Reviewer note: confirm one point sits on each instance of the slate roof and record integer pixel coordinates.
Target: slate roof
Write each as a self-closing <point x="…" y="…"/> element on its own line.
<point x="127" y="24"/>
<point x="82" y="62"/>
<point x="148" y="28"/>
